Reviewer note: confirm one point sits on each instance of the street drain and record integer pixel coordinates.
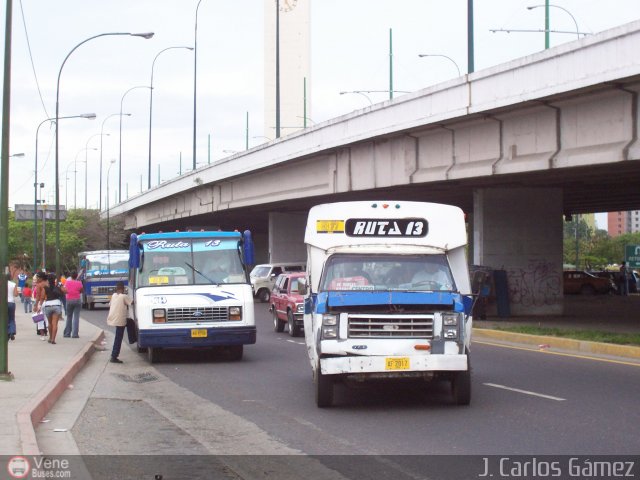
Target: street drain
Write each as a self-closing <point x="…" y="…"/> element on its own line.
<point x="143" y="377"/>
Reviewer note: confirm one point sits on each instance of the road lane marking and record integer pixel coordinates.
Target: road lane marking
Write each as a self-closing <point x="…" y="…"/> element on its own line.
<point x="526" y="392"/>
<point x="562" y="354"/>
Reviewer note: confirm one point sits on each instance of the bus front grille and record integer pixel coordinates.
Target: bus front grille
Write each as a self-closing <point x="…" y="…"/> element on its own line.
<point x="390" y="326"/>
<point x="197" y="314"/>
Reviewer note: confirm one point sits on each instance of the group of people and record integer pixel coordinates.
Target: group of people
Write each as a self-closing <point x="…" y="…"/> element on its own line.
<point x="50" y="295"/>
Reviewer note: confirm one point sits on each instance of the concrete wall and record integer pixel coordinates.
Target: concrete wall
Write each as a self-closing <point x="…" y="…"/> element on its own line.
<point x="520" y="230"/>
<point x="286" y="237"/>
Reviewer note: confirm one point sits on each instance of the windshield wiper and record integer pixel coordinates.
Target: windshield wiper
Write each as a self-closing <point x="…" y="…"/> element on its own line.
<point x="198" y="271"/>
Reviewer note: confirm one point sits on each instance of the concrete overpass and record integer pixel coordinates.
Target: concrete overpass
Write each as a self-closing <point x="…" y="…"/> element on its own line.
<point x="516" y="146"/>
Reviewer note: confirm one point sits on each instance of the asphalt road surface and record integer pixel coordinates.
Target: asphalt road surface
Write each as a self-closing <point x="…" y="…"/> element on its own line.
<point x="524" y="402"/>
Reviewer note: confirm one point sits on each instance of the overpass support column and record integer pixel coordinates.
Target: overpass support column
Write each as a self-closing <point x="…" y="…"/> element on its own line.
<point x="519" y="230"/>
<point x="286" y="237"/>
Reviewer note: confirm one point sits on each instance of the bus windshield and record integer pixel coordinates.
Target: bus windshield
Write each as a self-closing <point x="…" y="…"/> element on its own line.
<point x="107" y="264"/>
<point x="198" y="261"/>
<point x="387" y="272"/>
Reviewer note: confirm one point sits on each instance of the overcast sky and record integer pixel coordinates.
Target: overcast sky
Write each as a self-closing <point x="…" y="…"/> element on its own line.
<point x="349" y="51"/>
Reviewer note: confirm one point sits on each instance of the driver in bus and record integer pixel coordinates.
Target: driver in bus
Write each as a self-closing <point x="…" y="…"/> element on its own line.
<point x="432" y="272"/>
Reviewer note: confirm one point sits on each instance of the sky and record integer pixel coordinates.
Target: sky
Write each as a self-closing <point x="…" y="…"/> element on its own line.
<point x="349" y="51"/>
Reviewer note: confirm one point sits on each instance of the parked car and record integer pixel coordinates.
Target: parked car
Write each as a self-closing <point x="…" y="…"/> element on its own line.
<point x="263" y="277"/>
<point x="585" y="283"/>
<point x="287" y="305"/>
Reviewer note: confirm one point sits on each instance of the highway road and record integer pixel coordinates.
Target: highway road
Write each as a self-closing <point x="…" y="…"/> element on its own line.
<point x="524" y="401"/>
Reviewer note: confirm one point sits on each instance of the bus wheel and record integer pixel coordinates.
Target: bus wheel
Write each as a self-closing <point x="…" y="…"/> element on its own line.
<point x="153" y="354"/>
<point x="324" y="389"/>
<point x="294" y="330"/>
<point x="461" y="386"/>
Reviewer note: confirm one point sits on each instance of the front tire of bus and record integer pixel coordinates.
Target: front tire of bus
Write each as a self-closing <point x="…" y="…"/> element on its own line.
<point x="278" y="325"/>
<point x="324" y="389"/>
<point x="461" y="385"/>
<point x="153" y="354"/>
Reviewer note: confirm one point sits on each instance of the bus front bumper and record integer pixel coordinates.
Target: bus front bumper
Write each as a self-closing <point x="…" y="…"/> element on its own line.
<point x="195" y="337"/>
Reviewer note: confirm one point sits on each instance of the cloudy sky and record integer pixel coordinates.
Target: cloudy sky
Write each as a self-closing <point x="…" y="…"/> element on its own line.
<point x="349" y="51"/>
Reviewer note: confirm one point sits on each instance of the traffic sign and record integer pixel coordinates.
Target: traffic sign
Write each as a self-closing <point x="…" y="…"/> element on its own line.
<point x="632" y="256"/>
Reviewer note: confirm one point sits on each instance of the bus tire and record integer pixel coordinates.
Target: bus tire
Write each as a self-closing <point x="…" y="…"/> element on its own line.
<point x="324" y="389"/>
<point x="461" y="386"/>
<point x="153" y="354"/>
<point x="278" y="325"/>
<point x="294" y="330"/>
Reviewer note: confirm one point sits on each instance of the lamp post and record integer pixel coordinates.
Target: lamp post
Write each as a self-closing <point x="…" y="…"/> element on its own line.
<point x="111" y="162"/>
<point x="66" y="182"/>
<point x="422" y="55"/>
<point x="546" y="19"/>
<point x="101" y="136"/>
<point x="75" y="176"/>
<point x="86" y="159"/>
<point x="151" y="105"/>
<point x="195" y="84"/>
<point x="120" y="141"/>
<point x="57" y="186"/>
<point x="89" y="116"/>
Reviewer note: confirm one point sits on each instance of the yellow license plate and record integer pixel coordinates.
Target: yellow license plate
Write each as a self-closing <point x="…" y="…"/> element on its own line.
<point x="330" y="226"/>
<point x="198" y="332"/>
<point x="401" y="363"/>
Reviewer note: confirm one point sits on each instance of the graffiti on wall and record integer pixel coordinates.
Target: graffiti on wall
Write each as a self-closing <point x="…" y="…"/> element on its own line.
<point x="537" y="284"/>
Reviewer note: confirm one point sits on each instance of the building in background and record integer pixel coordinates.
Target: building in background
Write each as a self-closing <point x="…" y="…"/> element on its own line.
<point x="619" y="223"/>
<point x="295" y="53"/>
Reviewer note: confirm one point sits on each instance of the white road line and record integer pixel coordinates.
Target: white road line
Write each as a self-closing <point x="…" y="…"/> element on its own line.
<point x="557" y="399"/>
<point x="297" y="343"/>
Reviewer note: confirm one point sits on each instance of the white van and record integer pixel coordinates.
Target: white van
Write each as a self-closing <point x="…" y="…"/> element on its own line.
<point x="263" y="277"/>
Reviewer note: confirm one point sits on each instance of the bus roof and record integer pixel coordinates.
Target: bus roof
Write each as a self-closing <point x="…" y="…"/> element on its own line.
<point x="103" y="252"/>
<point x="338" y="224"/>
<point x="198" y="234"/>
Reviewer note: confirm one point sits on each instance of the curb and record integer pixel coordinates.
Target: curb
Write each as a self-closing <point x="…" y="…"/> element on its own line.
<point x="39" y="405"/>
<point x="582" y="346"/>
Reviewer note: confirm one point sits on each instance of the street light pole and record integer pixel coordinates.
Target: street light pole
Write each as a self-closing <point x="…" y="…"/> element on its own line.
<point x="57" y="186"/>
<point x="195" y="88"/>
<point x="89" y="116"/>
<point x="86" y="159"/>
<point x="101" y="136"/>
<point x="422" y="55"/>
<point x="151" y="104"/>
<point x="120" y="142"/>
<point x="108" y="233"/>
<point x="277" y="68"/>
<point x="546" y="21"/>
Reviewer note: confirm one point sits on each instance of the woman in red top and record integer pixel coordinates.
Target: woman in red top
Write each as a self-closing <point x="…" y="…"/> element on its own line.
<point x="74" y="305"/>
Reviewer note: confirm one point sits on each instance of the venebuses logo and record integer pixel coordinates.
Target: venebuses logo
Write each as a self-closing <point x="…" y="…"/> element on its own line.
<point x="18" y="467"/>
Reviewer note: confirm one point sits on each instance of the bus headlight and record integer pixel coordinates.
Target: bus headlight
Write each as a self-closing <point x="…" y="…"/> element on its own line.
<point x="329" y="326"/>
<point x="329" y="319"/>
<point x="450" y="319"/>
<point x="451" y="333"/>
<point x="159" y="315"/>
<point x="235" y="313"/>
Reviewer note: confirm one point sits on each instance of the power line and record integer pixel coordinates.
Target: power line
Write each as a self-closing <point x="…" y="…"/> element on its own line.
<point x="33" y="67"/>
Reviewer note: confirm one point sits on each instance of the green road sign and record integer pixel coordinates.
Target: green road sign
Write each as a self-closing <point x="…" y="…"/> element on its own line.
<point x="632" y="255"/>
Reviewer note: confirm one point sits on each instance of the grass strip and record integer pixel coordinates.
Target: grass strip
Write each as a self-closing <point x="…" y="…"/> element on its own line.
<point x="588" y="335"/>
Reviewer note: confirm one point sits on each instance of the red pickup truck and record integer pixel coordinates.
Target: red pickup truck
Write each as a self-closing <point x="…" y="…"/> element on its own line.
<point x="287" y="305"/>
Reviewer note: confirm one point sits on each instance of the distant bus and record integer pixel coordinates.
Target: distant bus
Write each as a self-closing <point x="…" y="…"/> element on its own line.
<point x="99" y="270"/>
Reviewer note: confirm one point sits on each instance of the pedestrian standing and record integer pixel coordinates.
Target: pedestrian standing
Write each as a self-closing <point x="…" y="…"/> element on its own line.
<point x="27" y="298"/>
<point x="12" y="293"/>
<point x="118" y="309"/>
<point x="74" y="305"/>
<point x="22" y="281"/>
<point x="50" y="298"/>
<point x="39" y="282"/>
<point x="624" y="280"/>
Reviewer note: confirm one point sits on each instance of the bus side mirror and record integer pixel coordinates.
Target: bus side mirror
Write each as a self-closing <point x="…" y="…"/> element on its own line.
<point x="302" y="286"/>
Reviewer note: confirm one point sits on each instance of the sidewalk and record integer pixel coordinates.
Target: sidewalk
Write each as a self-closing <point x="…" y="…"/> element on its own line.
<point x="41" y="372"/>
